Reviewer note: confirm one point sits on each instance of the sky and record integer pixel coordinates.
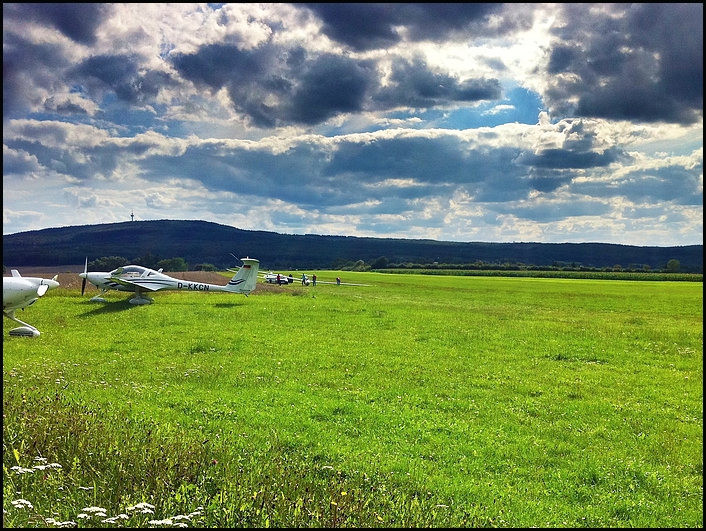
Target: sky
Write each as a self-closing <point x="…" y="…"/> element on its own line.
<point x="455" y="122"/>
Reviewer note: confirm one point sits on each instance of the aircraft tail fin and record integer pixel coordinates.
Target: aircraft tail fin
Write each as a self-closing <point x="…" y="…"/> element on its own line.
<point x="245" y="280"/>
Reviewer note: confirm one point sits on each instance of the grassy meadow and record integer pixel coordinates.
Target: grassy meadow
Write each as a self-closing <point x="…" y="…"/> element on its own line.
<point x="418" y="401"/>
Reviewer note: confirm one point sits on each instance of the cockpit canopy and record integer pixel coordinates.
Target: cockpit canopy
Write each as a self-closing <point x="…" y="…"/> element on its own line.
<point x="133" y="271"/>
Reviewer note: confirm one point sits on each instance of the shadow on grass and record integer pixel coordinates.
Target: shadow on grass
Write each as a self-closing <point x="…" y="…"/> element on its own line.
<point x="122" y="305"/>
<point x="228" y="304"/>
<point x="108" y="307"/>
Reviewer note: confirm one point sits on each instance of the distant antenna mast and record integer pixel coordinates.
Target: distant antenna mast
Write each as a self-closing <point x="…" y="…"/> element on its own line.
<point x="132" y="215"/>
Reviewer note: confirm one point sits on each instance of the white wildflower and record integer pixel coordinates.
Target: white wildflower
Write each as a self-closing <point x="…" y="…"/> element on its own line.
<point x="114" y="519"/>
<point x="56" y="523"/>
<point x="140" y="505"/>
<point x="166" y="521"/>
<point x="22" y="504"/>
<point x="97" y="511"/>
<point x="143" y="507"/>
<point x="22" y="470"/>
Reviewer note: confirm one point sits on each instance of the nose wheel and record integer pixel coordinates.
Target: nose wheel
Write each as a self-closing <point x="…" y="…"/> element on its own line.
<point x="26" y="330"/>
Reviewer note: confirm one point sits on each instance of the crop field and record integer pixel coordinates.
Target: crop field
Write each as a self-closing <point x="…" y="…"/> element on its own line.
<point x="416" y="401"/>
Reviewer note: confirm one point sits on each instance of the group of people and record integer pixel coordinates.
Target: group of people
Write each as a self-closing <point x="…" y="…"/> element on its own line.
<point x="281" y="279"/>
<point x="305" y="279"/>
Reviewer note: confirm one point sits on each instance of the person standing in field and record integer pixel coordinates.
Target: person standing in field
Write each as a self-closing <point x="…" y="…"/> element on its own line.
<point x="338" y="281"/>
<point x="313" y="279"/>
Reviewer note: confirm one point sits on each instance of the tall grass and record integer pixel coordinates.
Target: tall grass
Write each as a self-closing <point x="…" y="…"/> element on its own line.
<point x="417" y="401"/>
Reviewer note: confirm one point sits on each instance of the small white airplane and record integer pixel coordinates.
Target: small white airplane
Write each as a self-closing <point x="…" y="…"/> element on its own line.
<point x="277" y="278"/>
<point x="18" y="292"/>
<point x="139" y="280"/>
<point x="306" y="280"/>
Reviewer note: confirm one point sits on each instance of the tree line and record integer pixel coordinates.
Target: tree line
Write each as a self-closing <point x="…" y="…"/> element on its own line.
<point x="108" y="263"/>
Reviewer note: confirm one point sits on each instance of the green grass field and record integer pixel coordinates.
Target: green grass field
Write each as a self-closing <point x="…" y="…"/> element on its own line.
<point x="417" y="401"/>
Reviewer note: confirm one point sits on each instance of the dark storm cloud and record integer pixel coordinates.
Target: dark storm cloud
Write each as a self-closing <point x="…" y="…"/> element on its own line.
<point x="674" y="183"/>
<point x="220" y="65"/>
<point x="360" y="26"/>
<point x="374" y="25"/>
<point x="120" y="74"/>
<point x="434" y="21"/>
<point x="328" y="86"/>
<point x="564" y="158"/>
<point x="25" y="68"/>
<point x="399" y="168"/>
<point x="641" y="62"/>
<point x="292" y="175"/>
<point x="29" y="66"/>
<point x="275" y="87"/>
<point x="547" y="212"/>
<point x="547" y="181"/>
<point x="84" y="165"/>
<point x="421" y="159"/>
<point x="54" y="146"/>
<point x="278" y="87"/>
<point x="412" y="84"/>
<point x="433" y="166"/>
<point x="64" y="107"/>
<point x="78" y="22"/>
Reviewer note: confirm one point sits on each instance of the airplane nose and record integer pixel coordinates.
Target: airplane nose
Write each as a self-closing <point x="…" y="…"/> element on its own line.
<point x="50" y="283"/>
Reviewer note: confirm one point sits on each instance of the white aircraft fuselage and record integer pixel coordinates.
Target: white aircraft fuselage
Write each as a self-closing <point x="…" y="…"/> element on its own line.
<point x="139" y="280"/>
<point x="18" y="292"/>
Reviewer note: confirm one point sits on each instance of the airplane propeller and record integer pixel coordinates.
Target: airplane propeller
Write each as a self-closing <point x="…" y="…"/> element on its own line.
<point x="85" y="270"/>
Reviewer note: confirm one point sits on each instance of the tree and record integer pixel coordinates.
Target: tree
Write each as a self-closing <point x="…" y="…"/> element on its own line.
<point x="173" y="264"/>
<point x="149" y="260"/>
<point x="673" y="266"/>
<point x="359" y="266"/>
<point x="107" y="263"/>
<point x="380" y="263"/>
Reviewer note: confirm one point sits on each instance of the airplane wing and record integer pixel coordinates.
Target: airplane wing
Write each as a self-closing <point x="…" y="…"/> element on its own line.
<point x="130" y="284"/>
<point x="340" y="283"/>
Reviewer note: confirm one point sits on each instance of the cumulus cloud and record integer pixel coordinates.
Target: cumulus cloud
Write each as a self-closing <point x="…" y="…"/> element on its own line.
<point x="450" y="121"/>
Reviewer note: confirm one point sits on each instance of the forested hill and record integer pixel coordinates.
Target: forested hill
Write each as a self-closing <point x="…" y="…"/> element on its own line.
<point x="199" y="242"/>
